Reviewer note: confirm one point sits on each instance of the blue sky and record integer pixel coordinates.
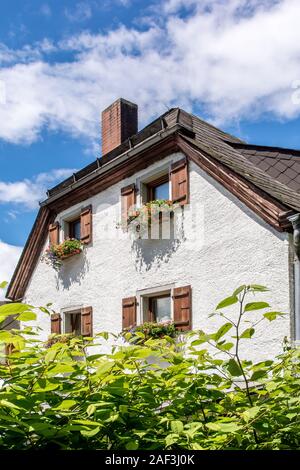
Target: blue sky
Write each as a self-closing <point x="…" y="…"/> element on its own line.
<point x="233" y="62"/>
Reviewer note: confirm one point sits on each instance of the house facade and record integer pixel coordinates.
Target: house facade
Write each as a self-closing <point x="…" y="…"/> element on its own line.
<point x="228" y="215"/>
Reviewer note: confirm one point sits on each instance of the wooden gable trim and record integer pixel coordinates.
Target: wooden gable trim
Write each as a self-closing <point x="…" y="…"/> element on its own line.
<point x="266" y="207"/>
<point x="30" y="254"/>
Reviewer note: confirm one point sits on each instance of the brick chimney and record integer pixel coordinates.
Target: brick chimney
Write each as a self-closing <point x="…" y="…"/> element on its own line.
<point x="119" y="122"/>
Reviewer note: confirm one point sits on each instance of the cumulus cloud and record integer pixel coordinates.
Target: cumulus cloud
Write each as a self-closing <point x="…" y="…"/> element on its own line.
<point x="28" y="193"/>
<point x="9" y="255"/>
<point x="233" y="58"/>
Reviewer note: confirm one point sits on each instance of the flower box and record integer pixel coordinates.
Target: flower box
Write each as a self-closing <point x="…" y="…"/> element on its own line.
<point x="69" y="255"/>
<point x="139" y="220"/>
<point x="55" y="254"/>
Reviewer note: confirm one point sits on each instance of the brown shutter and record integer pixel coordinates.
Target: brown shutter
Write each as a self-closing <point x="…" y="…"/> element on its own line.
<point x="87" y="321"/>
<point x="54" y="233"/>
<point x="182" y="299"/>
<point x="86" y="224"/>
<point x="128" y="199"/>
<point x="180" y="182"/>
<point x="128" y="312"/>
<point x="56" y="323"/>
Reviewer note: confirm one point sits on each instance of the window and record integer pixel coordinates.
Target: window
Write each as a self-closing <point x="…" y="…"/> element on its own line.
<point x="159" y="308"/>
<point x="73" y="322"/>
<point x="159" y="189"/>
<point x="156" y="305"/>
<point x="75" y="229"/>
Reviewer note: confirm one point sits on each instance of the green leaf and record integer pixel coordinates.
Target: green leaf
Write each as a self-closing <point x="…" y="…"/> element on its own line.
<point x="225" y="346"/>
<point x="258" y="374"/>
<point x="85" y="422"/>
<point x="66" y="405"/>
<point x="171" y="439"/>
<point x="258" y="288"/>
<point x="27" y="316"/>
<point x="91" y="432"/>
<point x="91" y="410"/>
<point x="255" y="306"/>
<point x="8" y="404"/>
<point x="196" y="446"/>
<point x="234" y="368"/>
<point x="250" y="413"/>
<point x="239" y="290"/>
<point x="177" y="427"/>
<point x="248" y="333"/>
<point x="15" y="308"/>
<point x="227" y="302"/>
<point x="222" y="331"/>
<point x="3" y="284"/>
<point x="132" y="445"/>
<point x="224" y="427"/>
<point x="123" y="409"/>
<point x="273" y="315"/>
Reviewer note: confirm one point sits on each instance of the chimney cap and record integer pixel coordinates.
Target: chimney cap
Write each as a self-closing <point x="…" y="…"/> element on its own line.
<point x="123" y="101"/>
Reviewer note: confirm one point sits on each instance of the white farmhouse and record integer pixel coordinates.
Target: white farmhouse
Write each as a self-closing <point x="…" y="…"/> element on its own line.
<point x="234" y="220"/>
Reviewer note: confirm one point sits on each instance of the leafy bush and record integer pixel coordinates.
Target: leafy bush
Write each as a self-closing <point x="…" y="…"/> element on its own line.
<point x="195" y="400"/>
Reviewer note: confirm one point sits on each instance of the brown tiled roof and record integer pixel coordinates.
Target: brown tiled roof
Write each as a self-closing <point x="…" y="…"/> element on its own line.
<point x="281" y="164"/>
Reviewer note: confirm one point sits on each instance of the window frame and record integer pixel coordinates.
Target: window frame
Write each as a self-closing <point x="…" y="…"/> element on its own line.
<point x="70" y="215"/>
<point x="151" y="185"/>
<point x="152" y="314"/>
<point x="143" y="297"/>
<point x="76" y="308"/>
<point x="68" y="314"/>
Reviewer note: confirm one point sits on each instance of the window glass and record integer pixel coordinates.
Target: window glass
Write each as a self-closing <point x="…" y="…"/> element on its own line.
<point x="73" y="323"/>
<point x="162" y="309"/>
<point x="161" y="191"/>
<point x="74" y="229"/>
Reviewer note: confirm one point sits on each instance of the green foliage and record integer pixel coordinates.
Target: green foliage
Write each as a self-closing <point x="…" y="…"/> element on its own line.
<point x="150" y="394"/>
<point x="147" y="330"/>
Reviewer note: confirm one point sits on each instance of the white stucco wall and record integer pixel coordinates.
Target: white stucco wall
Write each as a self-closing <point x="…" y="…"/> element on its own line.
<point x="226" y="245"/>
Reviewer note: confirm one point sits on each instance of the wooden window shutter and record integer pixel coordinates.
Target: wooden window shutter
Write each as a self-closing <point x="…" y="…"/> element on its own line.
<point x="56" y="323"/>
<point x="86" y="224"/>
<point x="128" y="199"/>
<point x="54" y="233"/>
<point x="182" y="298"/>
<point x="87" y="321"/>
<point x="180" y="182"/>
<point x="128" y="312"/>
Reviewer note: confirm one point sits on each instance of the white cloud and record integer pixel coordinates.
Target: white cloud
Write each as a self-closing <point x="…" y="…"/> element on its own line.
<point x="28" y="193"/>
<point x="9" y="255"/>
<point x="81" y="12"/>
<point x="236" y="58"/>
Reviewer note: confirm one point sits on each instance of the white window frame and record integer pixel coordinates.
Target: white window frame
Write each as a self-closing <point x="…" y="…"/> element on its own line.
<point x="149" y="176"/>
<point x="67" y="311"/>
<point x="65" y="218"/>
<point x="153" y="292"/>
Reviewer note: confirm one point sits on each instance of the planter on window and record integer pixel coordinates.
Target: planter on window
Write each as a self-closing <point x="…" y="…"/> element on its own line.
<point x="154" y="330"/>
<point x="139" y="220"/>
<point x="55" y="254"/>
